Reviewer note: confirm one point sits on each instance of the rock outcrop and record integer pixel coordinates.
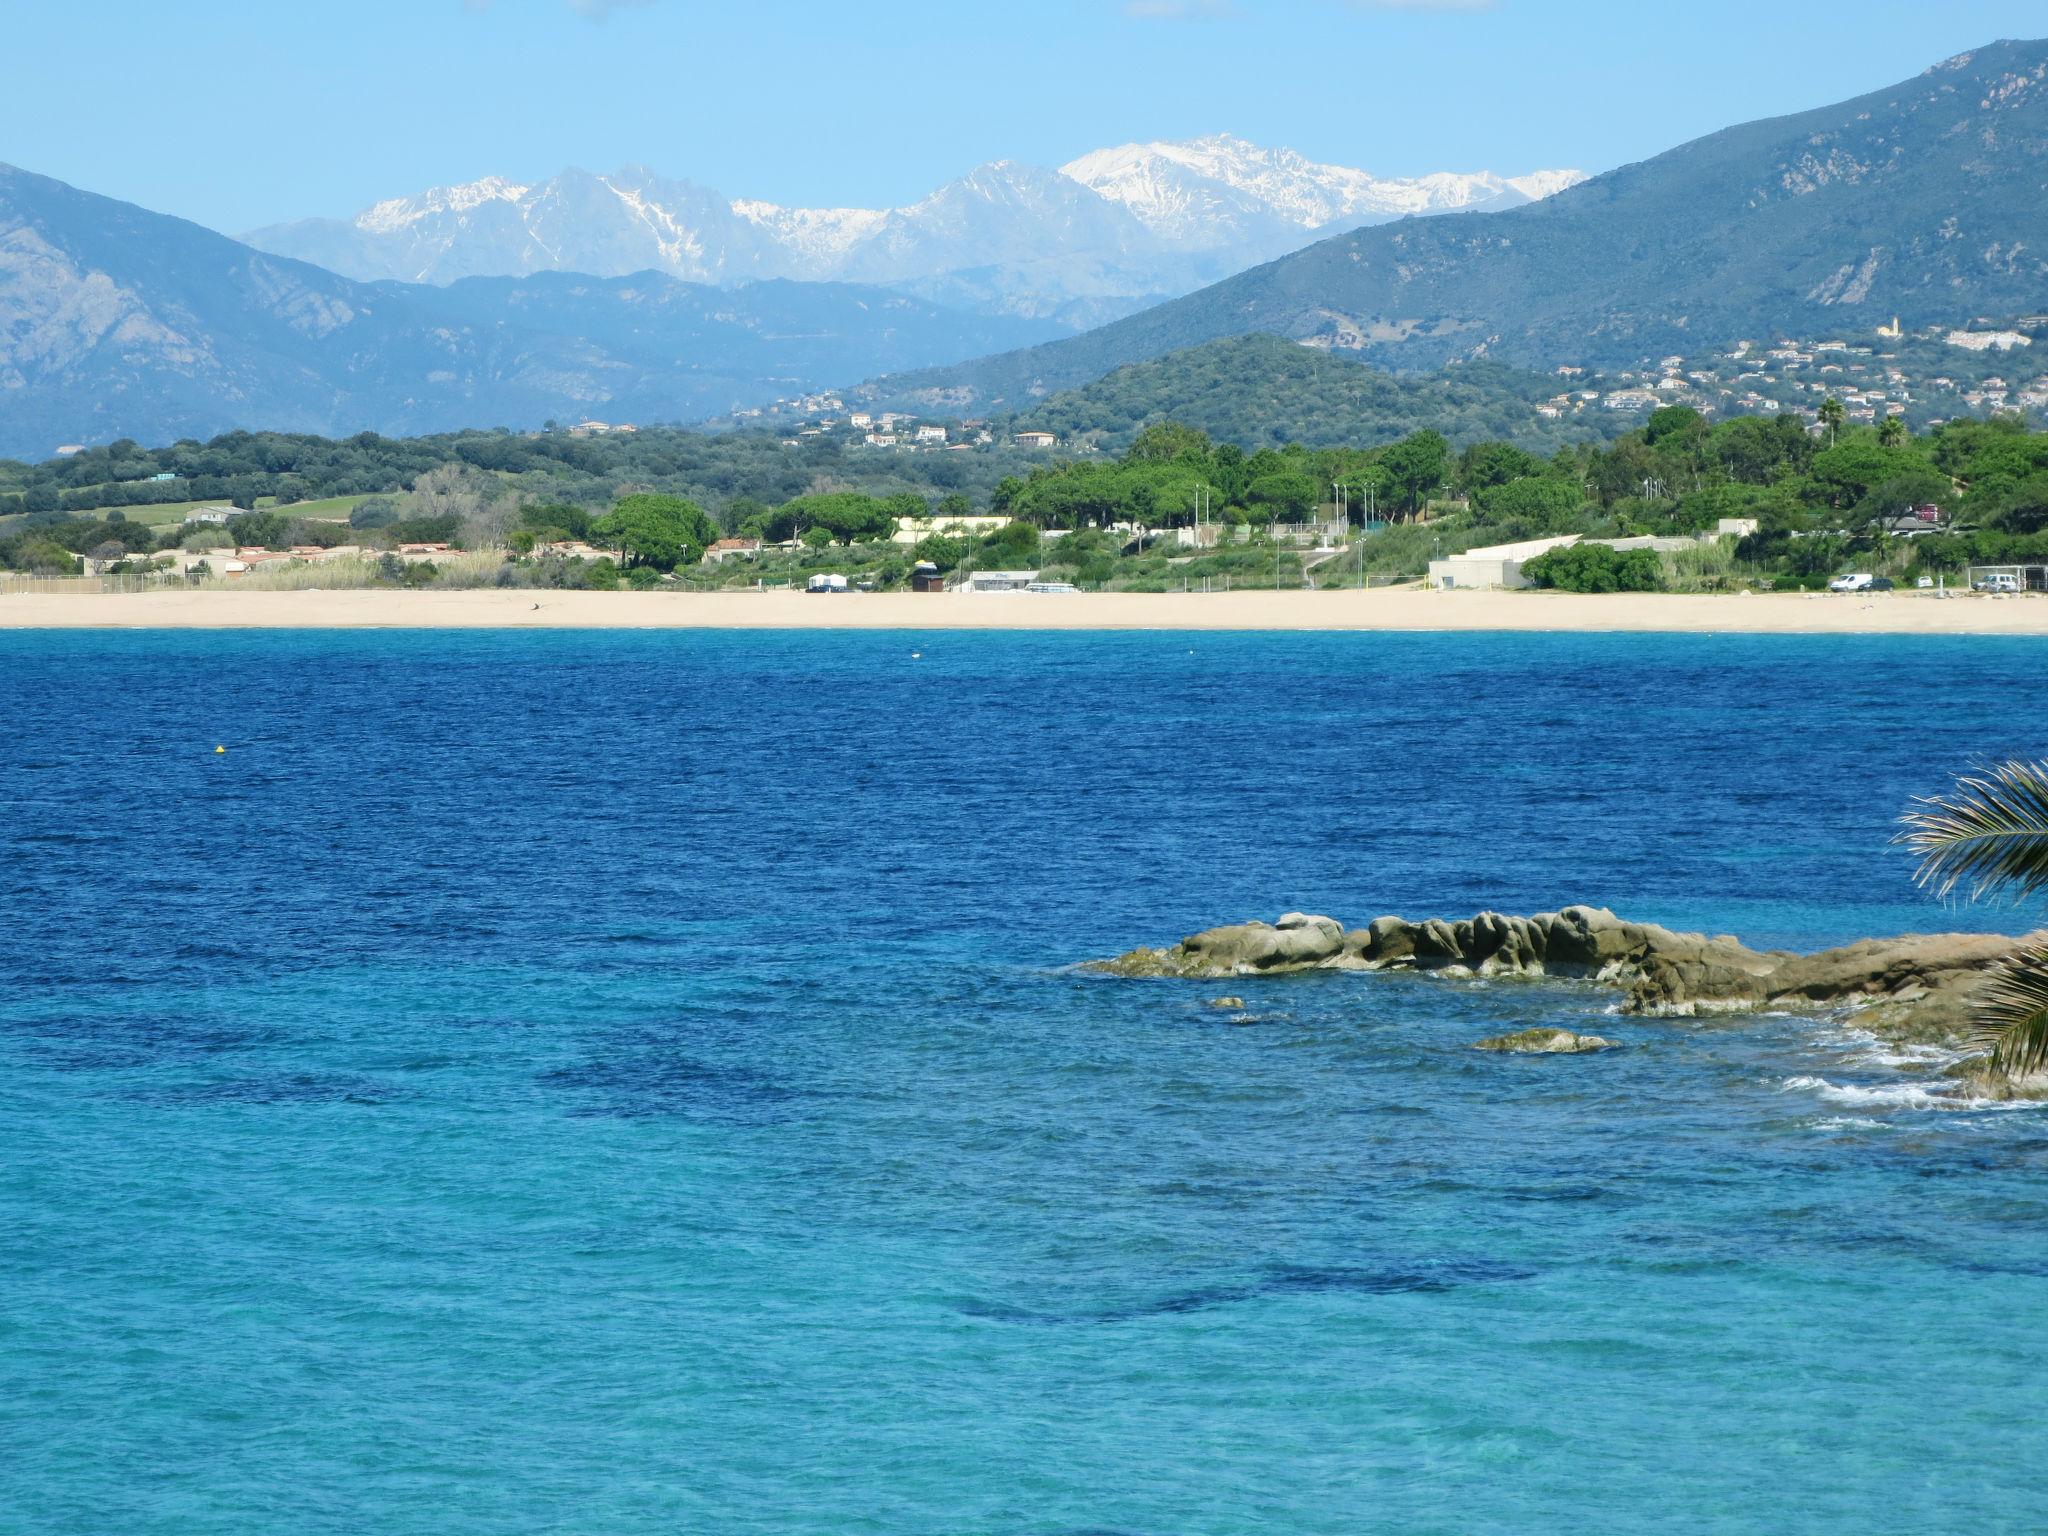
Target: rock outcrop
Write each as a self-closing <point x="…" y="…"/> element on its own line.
<point x="1915" y="985"/>
<point x="1544" y="1042"/>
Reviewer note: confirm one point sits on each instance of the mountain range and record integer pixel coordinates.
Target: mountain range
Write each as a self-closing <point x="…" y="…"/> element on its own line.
<point x="117" y="322"/>
<point x="1102" y="236"/>
<point x="1926" y="201"/>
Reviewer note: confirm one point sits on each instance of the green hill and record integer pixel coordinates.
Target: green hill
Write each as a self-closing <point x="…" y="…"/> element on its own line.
<point x="1260" y="390"/>
<point x="1925" y="200"/>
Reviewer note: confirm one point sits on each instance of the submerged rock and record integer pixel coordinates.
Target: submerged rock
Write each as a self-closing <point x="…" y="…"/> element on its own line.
<point x="1226" y="1002"/>
<point x="1544" y="1042"/>
<point x="1917" y="985"/>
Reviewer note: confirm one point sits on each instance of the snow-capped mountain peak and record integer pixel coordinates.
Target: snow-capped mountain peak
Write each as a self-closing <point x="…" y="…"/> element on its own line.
<point x="396" y="213"/>
<point x="1105" y="234"/>
<point x="1182" y="188"/>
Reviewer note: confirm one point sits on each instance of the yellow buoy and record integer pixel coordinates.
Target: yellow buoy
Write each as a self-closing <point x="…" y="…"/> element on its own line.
<point x="220" y="749"/>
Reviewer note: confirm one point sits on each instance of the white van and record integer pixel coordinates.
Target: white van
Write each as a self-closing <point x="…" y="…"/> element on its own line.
<point x="1859" y="582"/>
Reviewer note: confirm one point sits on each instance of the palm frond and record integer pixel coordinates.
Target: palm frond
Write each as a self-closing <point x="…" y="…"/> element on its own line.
<point x="2012" y="1016"/>
<point x="1991" y="834"/>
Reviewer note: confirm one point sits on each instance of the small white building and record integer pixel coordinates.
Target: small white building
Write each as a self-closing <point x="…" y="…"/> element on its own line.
<point x="217" y="516"/>
<point x="1496" y="565"/>
<point x="1036" y="440"/>
<point x="931" y="434"/>
<point x="997" y="581"/>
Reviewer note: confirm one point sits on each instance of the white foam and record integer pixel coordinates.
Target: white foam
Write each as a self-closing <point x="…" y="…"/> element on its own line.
<point x="1896" y="1095"/>
<point x="1874" y="1051"/>
<point x="1924" y="1095"/>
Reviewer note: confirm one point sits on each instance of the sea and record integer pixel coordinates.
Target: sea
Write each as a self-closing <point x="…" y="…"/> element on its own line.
<point x="604" y="1082"/>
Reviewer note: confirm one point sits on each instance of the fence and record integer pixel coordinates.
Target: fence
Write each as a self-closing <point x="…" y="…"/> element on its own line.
<point x="72" y="586"/>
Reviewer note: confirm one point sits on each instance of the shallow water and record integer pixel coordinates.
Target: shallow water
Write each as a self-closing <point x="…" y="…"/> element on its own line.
<point x="636" y="1082"/>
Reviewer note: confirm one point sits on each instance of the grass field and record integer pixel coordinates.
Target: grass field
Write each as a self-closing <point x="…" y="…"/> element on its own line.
<point x="169" y="513"/>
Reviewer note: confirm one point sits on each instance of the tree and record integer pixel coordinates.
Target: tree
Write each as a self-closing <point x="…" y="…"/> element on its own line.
<point x="1831" y="417"/>
<point x="1014" y="544"/>
<point x="553" y="520"/>
<point x="746" y="515"/>
<point x="2024" y="509"/>
<point x="1417" y="465"/>
<point x="1891" y="432"/>
<point x="1164" y="441"/>
<point x="1990" y="833"/>
<point x="1675" y="426"/>
<point x="1542" y="504"/>
<point x="461" y="498"/>
<point x="1485" y="465"/>
<point x="1891" y="499"/>
<point x="658" y="531"/>
<point x="844" y="516"/>
<point x="1286" y="496"/>
<point x="1849" y="471"/>
<point x="940" y="550"/>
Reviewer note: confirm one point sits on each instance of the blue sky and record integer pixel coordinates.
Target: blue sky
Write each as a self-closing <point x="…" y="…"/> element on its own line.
<point x="240" y="112"/>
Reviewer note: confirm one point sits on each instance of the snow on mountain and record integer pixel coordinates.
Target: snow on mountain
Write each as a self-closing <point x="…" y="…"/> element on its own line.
<point x="397" y="213"/>
<point x="1208" y="190"/>
<point x="1110" y="232"/>
<point x="820" y="236"/>
<point x="1538" y="185"/>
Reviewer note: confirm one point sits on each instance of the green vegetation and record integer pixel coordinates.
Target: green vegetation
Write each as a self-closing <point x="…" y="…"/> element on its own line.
<point x="1990" y="833"/>
<point x="1597" y="568"/>
<point x="1267" y="391"/>
<point x="1177" y="506"/>
<point x="658" y="532"/>
<point x="730" y="474"/>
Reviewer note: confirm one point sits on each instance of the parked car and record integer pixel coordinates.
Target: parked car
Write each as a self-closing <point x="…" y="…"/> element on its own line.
<point x="1998" y="581"/>
<point x="1858" y="582"/>
<point x="1880" y="584"/>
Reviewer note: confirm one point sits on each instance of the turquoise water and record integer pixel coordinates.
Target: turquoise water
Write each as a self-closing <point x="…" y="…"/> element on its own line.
<point x="628" y="1083"/>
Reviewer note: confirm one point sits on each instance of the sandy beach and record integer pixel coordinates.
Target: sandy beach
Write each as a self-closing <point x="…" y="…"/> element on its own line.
<point x="1382" y="609"/>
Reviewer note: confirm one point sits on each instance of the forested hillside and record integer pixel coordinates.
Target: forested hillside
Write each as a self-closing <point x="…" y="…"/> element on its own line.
<point x="1255" y="390"/>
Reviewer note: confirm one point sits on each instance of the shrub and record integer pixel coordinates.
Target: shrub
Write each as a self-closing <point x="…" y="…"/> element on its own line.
<point x="1597" y="568"/>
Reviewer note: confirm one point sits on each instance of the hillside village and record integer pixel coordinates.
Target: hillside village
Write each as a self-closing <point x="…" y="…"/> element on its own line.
<point x="1930" y="376"/>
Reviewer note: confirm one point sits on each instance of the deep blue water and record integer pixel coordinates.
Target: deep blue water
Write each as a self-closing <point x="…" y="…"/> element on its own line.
<point x="634" y="1083"/>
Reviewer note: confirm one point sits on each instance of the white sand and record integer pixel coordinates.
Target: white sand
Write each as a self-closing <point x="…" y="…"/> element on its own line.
<point x="1386" y="608"/>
